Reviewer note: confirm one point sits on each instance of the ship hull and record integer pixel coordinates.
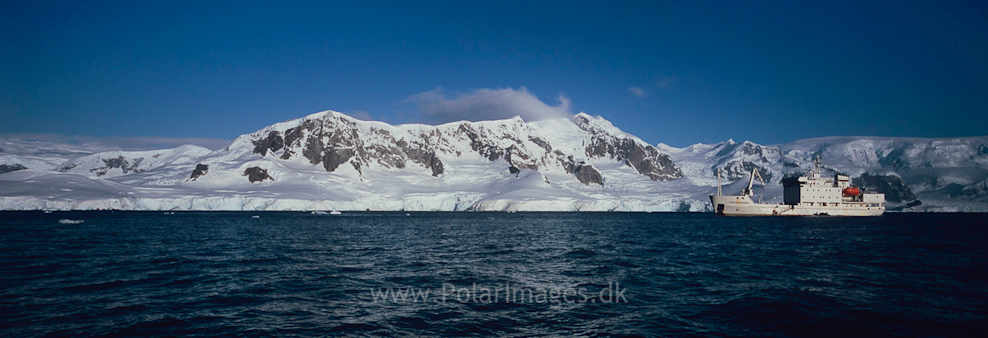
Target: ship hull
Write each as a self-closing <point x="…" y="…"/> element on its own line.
<point x="745" y="206"/>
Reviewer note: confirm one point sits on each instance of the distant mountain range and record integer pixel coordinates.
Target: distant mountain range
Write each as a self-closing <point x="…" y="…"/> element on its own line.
<point x="330" y="161"/>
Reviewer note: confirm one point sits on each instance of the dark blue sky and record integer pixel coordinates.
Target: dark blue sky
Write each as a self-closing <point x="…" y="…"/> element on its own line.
<point x="680" y="72"/>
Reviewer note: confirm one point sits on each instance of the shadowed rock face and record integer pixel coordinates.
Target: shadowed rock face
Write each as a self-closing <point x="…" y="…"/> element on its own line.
<point x="587" y="174"/>
<point x="4" y="168"/>
<point x="646" y="160"/>
<point x="200" y="170"/>
<point x="272" y="143"/>
<point x="892" y="186"/>
<point x="435" y="164"/>
<point x="519" y="159"/>
<point x="332" y="158"/>
<point x="257" y="174"/>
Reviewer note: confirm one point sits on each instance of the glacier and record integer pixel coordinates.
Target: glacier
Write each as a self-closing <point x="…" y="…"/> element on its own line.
<point x="331" y="161"/>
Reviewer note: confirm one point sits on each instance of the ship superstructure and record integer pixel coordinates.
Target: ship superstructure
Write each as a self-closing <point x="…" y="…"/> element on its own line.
<point x="806" y="195"/>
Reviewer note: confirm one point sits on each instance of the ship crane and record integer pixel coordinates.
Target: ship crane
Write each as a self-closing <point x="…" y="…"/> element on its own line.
<point x="751" y="181"/>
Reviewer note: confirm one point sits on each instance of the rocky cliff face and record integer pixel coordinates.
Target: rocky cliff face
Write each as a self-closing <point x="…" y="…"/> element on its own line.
<point x="646" y="159"/>
<point x="334" y="139"/>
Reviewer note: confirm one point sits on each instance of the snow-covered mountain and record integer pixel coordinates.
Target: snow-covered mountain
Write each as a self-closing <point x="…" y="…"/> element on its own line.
<point x="331" y="161"/>
<point x="918" y="173"/>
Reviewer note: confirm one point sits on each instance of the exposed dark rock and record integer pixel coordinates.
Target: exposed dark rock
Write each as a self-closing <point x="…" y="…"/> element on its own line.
<point x="790" y="165"/>
<point x="569" y="164"/>
<point x="272" y="143"/>
<point x="513" y="170"/>
<point x="419" y="153"/>
<point x="913" y="204"/>
<point x="436" y="165"/>
<point x="387" y="156"/>
<point x="200" y="170"/>
<point x="587" y="174"/>
<point x="257" y="174"/>
<point x="334" y="157"/>
<point x="541" y="143"/>
<point x="119" y="162"/>
<point x="356" y="166"/>
<point x="751" y="149"/>
<point x="4" y="168"/>
<point x="477" y="143"/>
<point x="515" y="157"/>
<point x="292" y="140"/>
<point x="292" y="136"/>
<point x="334" y="140"/>
<point x="647" y="160"/>
<point x="892" y="186"/>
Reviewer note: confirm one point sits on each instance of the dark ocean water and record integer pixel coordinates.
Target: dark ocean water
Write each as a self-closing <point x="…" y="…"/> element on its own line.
<point x="660" y="274"/>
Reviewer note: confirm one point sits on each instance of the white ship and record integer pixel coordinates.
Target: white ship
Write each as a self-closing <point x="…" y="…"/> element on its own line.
<point x="807" y="195"/>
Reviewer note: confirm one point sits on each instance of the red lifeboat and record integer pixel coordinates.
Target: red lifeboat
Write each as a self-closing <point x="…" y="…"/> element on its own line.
<point x="852" y="191"/>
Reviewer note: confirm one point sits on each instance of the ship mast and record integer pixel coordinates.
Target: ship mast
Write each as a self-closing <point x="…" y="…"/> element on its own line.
<point x="719" y="191"/>
<point x="816" y="163"/>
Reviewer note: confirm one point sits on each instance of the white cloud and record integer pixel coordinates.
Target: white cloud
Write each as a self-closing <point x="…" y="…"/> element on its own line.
<point x="638" y="91"/>
<point x="487" y="104"/>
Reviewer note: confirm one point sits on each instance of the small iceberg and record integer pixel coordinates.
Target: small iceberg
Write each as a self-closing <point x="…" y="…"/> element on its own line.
<point x="69" y="221"/>
<point x="255" y="216"/>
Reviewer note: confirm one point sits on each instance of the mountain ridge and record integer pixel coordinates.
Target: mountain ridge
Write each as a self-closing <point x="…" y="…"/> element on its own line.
<point x="329" y="160"/>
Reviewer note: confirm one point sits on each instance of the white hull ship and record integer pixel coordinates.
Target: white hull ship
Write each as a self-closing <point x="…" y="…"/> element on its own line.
<point x="807" y="195"/>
